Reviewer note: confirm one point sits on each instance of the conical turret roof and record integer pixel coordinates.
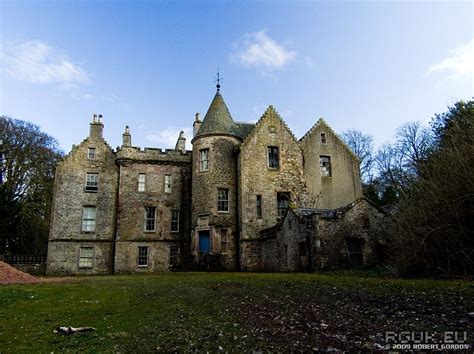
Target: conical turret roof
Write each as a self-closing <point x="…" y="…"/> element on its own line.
<point x="218" y="119"/>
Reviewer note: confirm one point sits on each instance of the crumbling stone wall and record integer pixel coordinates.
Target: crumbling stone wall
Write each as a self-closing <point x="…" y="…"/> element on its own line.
<point x="66" y="235"/>
<point x="256" y="178"/>
<point x="344" y="185"/>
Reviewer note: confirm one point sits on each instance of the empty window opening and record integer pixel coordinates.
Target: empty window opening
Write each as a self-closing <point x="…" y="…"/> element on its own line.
<point x="142" y="256"/>
<point x="86" y="257"/>
<point x="259" y="206"/>
<point x="325" y="166"/>
<point x="150" y="218"/>
<point x="88" y="219"/>
<point x="273" y="157"/>
<point x="92" y="182"/>
<point x="204" y="160"/>
<point x="223" y="200"/>
<point x="141" y="182"/>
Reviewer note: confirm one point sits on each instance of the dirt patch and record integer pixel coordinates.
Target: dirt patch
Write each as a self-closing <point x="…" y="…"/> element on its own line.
<point x="11" y="275"/>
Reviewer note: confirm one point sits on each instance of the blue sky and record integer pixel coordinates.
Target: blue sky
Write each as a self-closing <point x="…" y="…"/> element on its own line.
<point x="370" y="66"/>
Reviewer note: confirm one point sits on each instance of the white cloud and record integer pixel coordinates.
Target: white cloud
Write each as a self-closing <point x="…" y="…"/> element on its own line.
<point x="38" y="62"/>
<point x="460" y="63"/>
<point x="262" y="52"/>
<point x="167" y="138"/>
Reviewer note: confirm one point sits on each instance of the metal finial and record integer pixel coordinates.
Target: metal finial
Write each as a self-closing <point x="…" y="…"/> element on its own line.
<point x="218" y="80"/>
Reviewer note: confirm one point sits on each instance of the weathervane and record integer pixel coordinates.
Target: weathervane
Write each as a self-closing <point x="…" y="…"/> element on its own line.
<point x="218" y="80"/>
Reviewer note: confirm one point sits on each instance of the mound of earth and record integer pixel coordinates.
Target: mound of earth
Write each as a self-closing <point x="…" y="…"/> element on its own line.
<point x="11" y="275"/>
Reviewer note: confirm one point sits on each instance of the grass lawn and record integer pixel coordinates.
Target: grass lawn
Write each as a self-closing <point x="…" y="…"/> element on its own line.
<point x="228" y="311"/>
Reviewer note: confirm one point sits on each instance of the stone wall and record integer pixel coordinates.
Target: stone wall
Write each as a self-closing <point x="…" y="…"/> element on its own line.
<point x="70" y="197"/>
<point x="256" y="178"/>
<point x="126" y="256"/>
<point x="222" y="173"/>
<point x="343" y="186"/>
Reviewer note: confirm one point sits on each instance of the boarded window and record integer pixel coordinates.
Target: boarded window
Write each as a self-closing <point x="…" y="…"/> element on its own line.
<point x="167" y="183"/>
<point x="325" y="166"/>
<point x="283" y="199"/>
<point x="222" y="200"/>
<point x="141" y="182"/>
<point x="88" y="218"/>
<point x="86" y="257"/>
<point x="323" y="138"/>
<point x="273" y="157"/>
<point x="175" y="220"/>
<point x="142" y="256"/>
<point x="224" y="240"/>
<point x="91" y="153"/>
<point x="150" y="218"/>
<point x="259" y="206"/>
<point x="92" y="182"/>
<point x="204" y="160"/>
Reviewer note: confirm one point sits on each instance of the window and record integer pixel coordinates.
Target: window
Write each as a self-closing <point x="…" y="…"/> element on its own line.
<point x="88" y="219"/>
<point x="323" y="138"/>
<point x="150" y="218"/>
<point x="91" y="153"/>
<point x="86" y="256"/>
<point x="92" y="182"/>
<point x="204" y="160"/>
<point x="175" y="220"/>
<point x="222" y="200"/>
<point x="325" y="166"/>
<point x="174" y="255"/>
<point x="282" y="203"/>
<point x="273" y="157"/>
<point x="259" y="206"/>
<point x="224" y="240"/>
<point x="141" y="182"/>
<point x="168" y="183"/>
<point x="142" y="256"/>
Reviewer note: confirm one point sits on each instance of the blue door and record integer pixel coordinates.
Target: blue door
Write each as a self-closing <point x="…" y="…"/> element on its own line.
<point x="204" y="241"/>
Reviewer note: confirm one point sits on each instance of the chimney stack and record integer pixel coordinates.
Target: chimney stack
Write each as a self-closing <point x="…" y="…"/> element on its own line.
<point x="181" y="143"/>
<point x="96" y="127"/>
<point x="197" y="124"/>
<point x="126" y="137"/>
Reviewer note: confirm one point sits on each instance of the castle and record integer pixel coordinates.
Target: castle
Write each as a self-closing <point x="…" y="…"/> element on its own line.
<point x="247" y="197"/>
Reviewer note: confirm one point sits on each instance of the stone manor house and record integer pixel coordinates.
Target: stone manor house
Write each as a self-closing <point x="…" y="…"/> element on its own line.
<point x="247" y="197"/>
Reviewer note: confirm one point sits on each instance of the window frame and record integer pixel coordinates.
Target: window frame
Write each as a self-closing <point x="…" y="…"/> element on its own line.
<point x="201" y="160"/>
<point x="174" y="212"/>
<point x="84" y="257"/>
<point x="93" y="155"/>
<point x="84" y="221"/>
<point x="141" y="184"/>
<point x="141" y="257"/>
<point x="282" y="210"/>
<point x="323" y="138"/>
<point x="328" y="173"/>
<point x="169" y="183"/>
<point x="90" y="187"/>
<point x="223" y="202"/>
<point x="271" y="158"/>
<point x="147" y="219"/>
<point x="224" y="240"/>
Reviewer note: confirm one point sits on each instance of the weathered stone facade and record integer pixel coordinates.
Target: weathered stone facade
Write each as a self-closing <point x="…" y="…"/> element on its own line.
<point x="221" y="205"/>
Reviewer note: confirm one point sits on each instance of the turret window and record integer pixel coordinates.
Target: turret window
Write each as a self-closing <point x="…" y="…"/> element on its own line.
<point x="204" y="160"/>
<point x="222" y="200"/>
<point x="273" y="157"/>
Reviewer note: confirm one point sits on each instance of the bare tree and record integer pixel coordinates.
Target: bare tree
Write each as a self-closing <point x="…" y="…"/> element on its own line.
<point x="363" y="146"/>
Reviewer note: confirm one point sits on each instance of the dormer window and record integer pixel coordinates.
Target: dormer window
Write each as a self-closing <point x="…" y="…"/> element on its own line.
<point x="91" y="153"/>
<point x="323" y="138"/>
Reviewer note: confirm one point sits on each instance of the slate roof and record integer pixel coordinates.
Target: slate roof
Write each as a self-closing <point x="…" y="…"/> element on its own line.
<point x="218" y="120"/>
